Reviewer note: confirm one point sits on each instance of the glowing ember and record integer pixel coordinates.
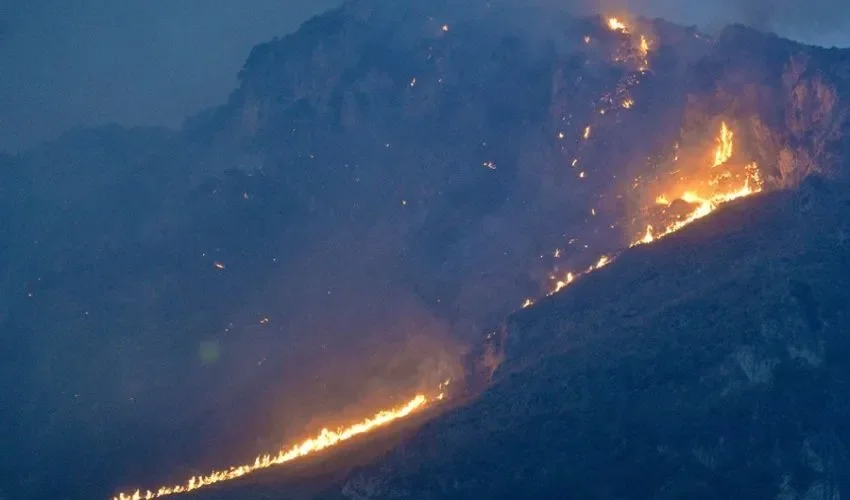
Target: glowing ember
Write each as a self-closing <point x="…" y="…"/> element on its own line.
<point x="324" y="439"/>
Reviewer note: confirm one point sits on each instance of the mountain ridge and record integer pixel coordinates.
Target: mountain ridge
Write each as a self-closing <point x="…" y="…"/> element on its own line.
<point x="372" y="191"/>
<point x="620" y="401"/>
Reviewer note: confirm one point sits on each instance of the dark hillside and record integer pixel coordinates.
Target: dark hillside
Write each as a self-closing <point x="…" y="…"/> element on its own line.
<point x="710" y="365"/>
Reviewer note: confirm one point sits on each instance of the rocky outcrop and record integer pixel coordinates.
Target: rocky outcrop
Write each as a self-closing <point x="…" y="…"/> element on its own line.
<point x="789" y="98"/>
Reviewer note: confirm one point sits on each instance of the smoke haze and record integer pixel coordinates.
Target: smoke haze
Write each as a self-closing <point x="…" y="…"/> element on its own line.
<point x="820" y="22"/>
<point x="92" y="62"/>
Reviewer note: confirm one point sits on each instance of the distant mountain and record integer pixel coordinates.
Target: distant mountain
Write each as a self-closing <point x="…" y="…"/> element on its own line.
<point x="385" y="186"/>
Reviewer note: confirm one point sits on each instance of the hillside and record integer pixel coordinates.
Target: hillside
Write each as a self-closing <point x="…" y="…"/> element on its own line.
<point x="383" y="188"/>
<point x="712" y="364"/>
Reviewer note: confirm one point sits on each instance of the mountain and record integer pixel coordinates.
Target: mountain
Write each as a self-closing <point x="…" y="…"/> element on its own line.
<point x="712" y="364"/>
<point x="383" y="187"/>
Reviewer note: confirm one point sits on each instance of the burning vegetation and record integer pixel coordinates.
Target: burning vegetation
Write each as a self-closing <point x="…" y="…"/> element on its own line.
<point x="323" y="440"/>
<point x="691" y="192"/>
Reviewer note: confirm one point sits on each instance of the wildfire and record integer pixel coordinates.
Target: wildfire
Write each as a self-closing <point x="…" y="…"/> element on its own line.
<point x="643" y="47"/>
<point x="724" y="146"/>
<point x="324" y="439"/>
<point x="722" y="187"/>
<point x="616" y="25"/>
<point x="639" y="45"/>
<point x="569" y="278"/>
<point x="643" y="53"/>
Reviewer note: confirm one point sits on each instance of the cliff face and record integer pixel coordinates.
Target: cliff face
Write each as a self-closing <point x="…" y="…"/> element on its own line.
<point x="384" y="184"/>
<point x="790" y="100"/>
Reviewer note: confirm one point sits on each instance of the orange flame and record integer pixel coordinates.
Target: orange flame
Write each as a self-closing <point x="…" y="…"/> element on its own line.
<point x="615" y="24"/>
<point x="324" y="439"/>
<point x="705" y="204"/>
<point x="724" y="146"/>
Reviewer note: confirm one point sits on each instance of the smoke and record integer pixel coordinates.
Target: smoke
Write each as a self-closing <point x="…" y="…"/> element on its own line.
<point x="154" y="63"/>
<point x="135" y="63"/>
<point x="820" y="22"/>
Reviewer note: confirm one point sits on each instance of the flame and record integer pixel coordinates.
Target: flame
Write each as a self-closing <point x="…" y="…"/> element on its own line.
<point x="324" y="439"/>
<point x="570" y="278"/>
<point x="643" y="47"/>
<point x="724" y="146"/>
<point x="701" y="204"/>
<point x="639" y="45"/>
<point x="615" y="24"/>
<point x="736" y="186"/>
<point x="643" y="54"/>
<point x="560" y="284"/>
<point x="648" y="237"/>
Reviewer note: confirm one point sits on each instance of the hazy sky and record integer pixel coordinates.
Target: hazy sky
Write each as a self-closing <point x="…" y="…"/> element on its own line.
<point x="86" y="62"/>
<point x="69" y="62"/>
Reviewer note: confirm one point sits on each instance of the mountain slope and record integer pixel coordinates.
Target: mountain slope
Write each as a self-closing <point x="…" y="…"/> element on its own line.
<point x="712" y="364"/>
<point x="383" y="185"/>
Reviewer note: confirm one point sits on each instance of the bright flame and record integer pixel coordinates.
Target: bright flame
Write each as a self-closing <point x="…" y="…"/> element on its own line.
<point x="324" y="439"/>
<point x="643" y="47"/>
<point x="570" y="278"/>
<point x="707" y="203"/>
<point x="702" y="205"/>
<point x="648" y="237"/>
<point x="615" y="24"/>
<point x="724" y="146"/>
<point x="643" y="53"/>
